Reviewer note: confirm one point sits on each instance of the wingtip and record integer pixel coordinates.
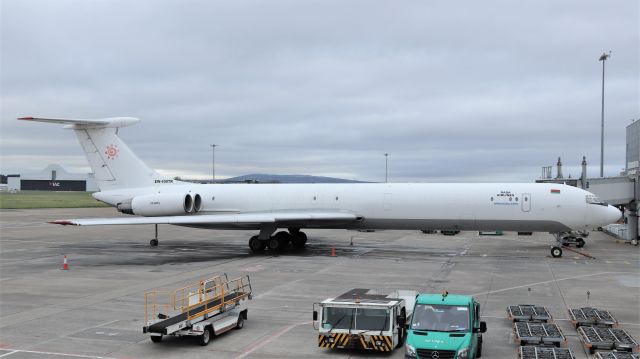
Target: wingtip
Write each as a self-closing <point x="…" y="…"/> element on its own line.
<point x="63" y="222"/>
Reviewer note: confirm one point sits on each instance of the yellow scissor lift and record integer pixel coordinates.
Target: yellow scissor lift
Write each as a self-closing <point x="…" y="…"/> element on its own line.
<point x="209" y="307"/>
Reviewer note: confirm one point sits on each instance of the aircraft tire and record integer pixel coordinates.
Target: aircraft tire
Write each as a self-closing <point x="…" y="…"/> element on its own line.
<point x="153" y="243"/>
<point x="556" y="252"/>
<point x="279" y="241"/>
<point x="299" y="240"/>
<point x="256" y="244"/>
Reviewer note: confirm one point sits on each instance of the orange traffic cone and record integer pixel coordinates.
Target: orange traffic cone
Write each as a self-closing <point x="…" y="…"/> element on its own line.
<point x="333" y="250"/>
<point x="65" y="265"/>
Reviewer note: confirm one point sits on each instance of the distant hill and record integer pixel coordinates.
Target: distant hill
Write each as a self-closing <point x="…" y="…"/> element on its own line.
<point x="269" y="178"/>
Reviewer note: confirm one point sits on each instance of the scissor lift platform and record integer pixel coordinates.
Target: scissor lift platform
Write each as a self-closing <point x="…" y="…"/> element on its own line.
<point x="594" y="338"/>
<point x="206" y="308"/>
<point x="538" y="334"/>
<point x="617" y="355"/>
<point x="588" y="316"/>
<point x="532" y="352"/>
<point x="528" y="313"/>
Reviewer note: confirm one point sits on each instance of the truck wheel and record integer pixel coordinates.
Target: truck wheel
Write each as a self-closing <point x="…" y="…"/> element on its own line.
<point x="479" y="351"/>
<point x="556" y="252"/>
<point x="205" y="338"/>
<point x="240" y="323"/>
<point x="156" y="338"/>
<point x="401" y="335"/>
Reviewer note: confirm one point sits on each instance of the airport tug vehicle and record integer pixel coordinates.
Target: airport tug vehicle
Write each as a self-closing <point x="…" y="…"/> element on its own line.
<point x="360" y="319"/>
<point x="204" y="309"/>
<point x="445" y="326"/>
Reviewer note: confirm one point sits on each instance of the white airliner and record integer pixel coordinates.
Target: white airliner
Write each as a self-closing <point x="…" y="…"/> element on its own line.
<point x="126" y="183"/>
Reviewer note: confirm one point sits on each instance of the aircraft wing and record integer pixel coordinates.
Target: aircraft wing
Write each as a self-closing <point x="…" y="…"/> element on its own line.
<point x="220" y="219"/>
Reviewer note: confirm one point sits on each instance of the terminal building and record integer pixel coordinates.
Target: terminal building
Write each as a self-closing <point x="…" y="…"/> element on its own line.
<point x="621" y="191"/>
<point x="52" y="178"/>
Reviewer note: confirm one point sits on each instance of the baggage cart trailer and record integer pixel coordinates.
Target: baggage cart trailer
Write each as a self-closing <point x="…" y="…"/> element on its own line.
<point x="204" y="309"/>
<point x="538" y="333"/>
<point x="528" y="313"/>
<point x="531" y="352"/>
<point x="594" y="338"/>
<point x="592" y="317"/>
<point x="617" y="355"/>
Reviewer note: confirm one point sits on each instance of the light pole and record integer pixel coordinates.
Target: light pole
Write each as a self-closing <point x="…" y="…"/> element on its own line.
<point x="386" y="167"/>
<point x="213" y="163"/>
<point x="603" y="58"/>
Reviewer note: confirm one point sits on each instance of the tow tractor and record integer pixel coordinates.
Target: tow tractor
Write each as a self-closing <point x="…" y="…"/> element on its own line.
<point x="360" y="319"/>
<point x="204" y="309"/>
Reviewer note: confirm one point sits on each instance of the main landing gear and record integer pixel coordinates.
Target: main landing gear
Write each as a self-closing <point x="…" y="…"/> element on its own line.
<point x="279" y="241"/>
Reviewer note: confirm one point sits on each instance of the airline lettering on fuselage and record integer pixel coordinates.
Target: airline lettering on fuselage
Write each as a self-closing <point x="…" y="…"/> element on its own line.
<point x="505" y="198"/>
<point x="163" y="181"/>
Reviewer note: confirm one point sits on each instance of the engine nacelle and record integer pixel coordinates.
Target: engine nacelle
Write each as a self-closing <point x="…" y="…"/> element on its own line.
<point x="166" y="204"/>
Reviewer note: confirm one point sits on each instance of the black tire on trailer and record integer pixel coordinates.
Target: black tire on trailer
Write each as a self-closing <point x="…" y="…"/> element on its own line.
<point x="556" y="252"/>
<point x="156" y="338"/>
<point x="153" y="243"/>
<point x="580" y="243"/>
<point x="206" y="336"/>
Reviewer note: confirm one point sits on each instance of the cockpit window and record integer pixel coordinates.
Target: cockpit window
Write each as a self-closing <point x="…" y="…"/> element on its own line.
<point x="591" y="199"/>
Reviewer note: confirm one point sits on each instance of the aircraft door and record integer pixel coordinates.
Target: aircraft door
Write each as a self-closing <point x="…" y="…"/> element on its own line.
<point x="526" y="202"/>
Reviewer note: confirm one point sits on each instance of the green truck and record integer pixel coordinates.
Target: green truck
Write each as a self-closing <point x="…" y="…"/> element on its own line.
<point x="445" y="326"/>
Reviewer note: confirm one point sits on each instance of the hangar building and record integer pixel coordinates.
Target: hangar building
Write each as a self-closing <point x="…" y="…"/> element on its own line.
<point x="52" y="178"/>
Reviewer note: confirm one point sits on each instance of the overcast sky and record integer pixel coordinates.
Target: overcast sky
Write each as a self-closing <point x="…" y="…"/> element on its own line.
<point x="452" y="90"/>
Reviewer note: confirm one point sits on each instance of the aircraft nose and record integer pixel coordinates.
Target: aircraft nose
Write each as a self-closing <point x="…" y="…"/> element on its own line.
<point x="613" y="214"/>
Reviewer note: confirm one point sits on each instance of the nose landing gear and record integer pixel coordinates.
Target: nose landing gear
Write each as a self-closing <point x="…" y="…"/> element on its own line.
<point x="154" y="242"/>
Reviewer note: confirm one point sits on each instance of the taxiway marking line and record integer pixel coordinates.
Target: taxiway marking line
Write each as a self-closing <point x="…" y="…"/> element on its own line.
<point x="549" y="281"/>
<point x="259" y="344"/>
<point x="54" y="353"/>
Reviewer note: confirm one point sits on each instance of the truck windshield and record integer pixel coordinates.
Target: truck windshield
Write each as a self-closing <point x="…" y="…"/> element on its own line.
<point x="440" y="318"/>
<point x="355" y="318"/>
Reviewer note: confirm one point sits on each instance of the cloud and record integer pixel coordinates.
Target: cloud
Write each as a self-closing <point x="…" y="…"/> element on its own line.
<point x="485" y="91"/>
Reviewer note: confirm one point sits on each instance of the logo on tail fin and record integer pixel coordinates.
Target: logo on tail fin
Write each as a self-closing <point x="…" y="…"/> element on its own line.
<point x="112" y="151"/>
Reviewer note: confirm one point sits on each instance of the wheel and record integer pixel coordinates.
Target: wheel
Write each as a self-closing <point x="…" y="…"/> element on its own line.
<point x="299" y="240"/>
<point x="279" y="241"/>
<point x="205" y="338"/>
<point x="479" y="351"/>
<point x="256" y="244"/>
<point x="240" y="323"/>
<point x="153" y="243"/>
<point x="556" y="252"/>
<point x="400" y="337"/>
<point x="634" y="242"/>
<point x="580" y="243"/>
<point x="156" y="338"/>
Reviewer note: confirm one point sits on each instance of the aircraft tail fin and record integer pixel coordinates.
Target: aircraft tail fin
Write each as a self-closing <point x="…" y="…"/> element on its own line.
<point x="113" y="163"/>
